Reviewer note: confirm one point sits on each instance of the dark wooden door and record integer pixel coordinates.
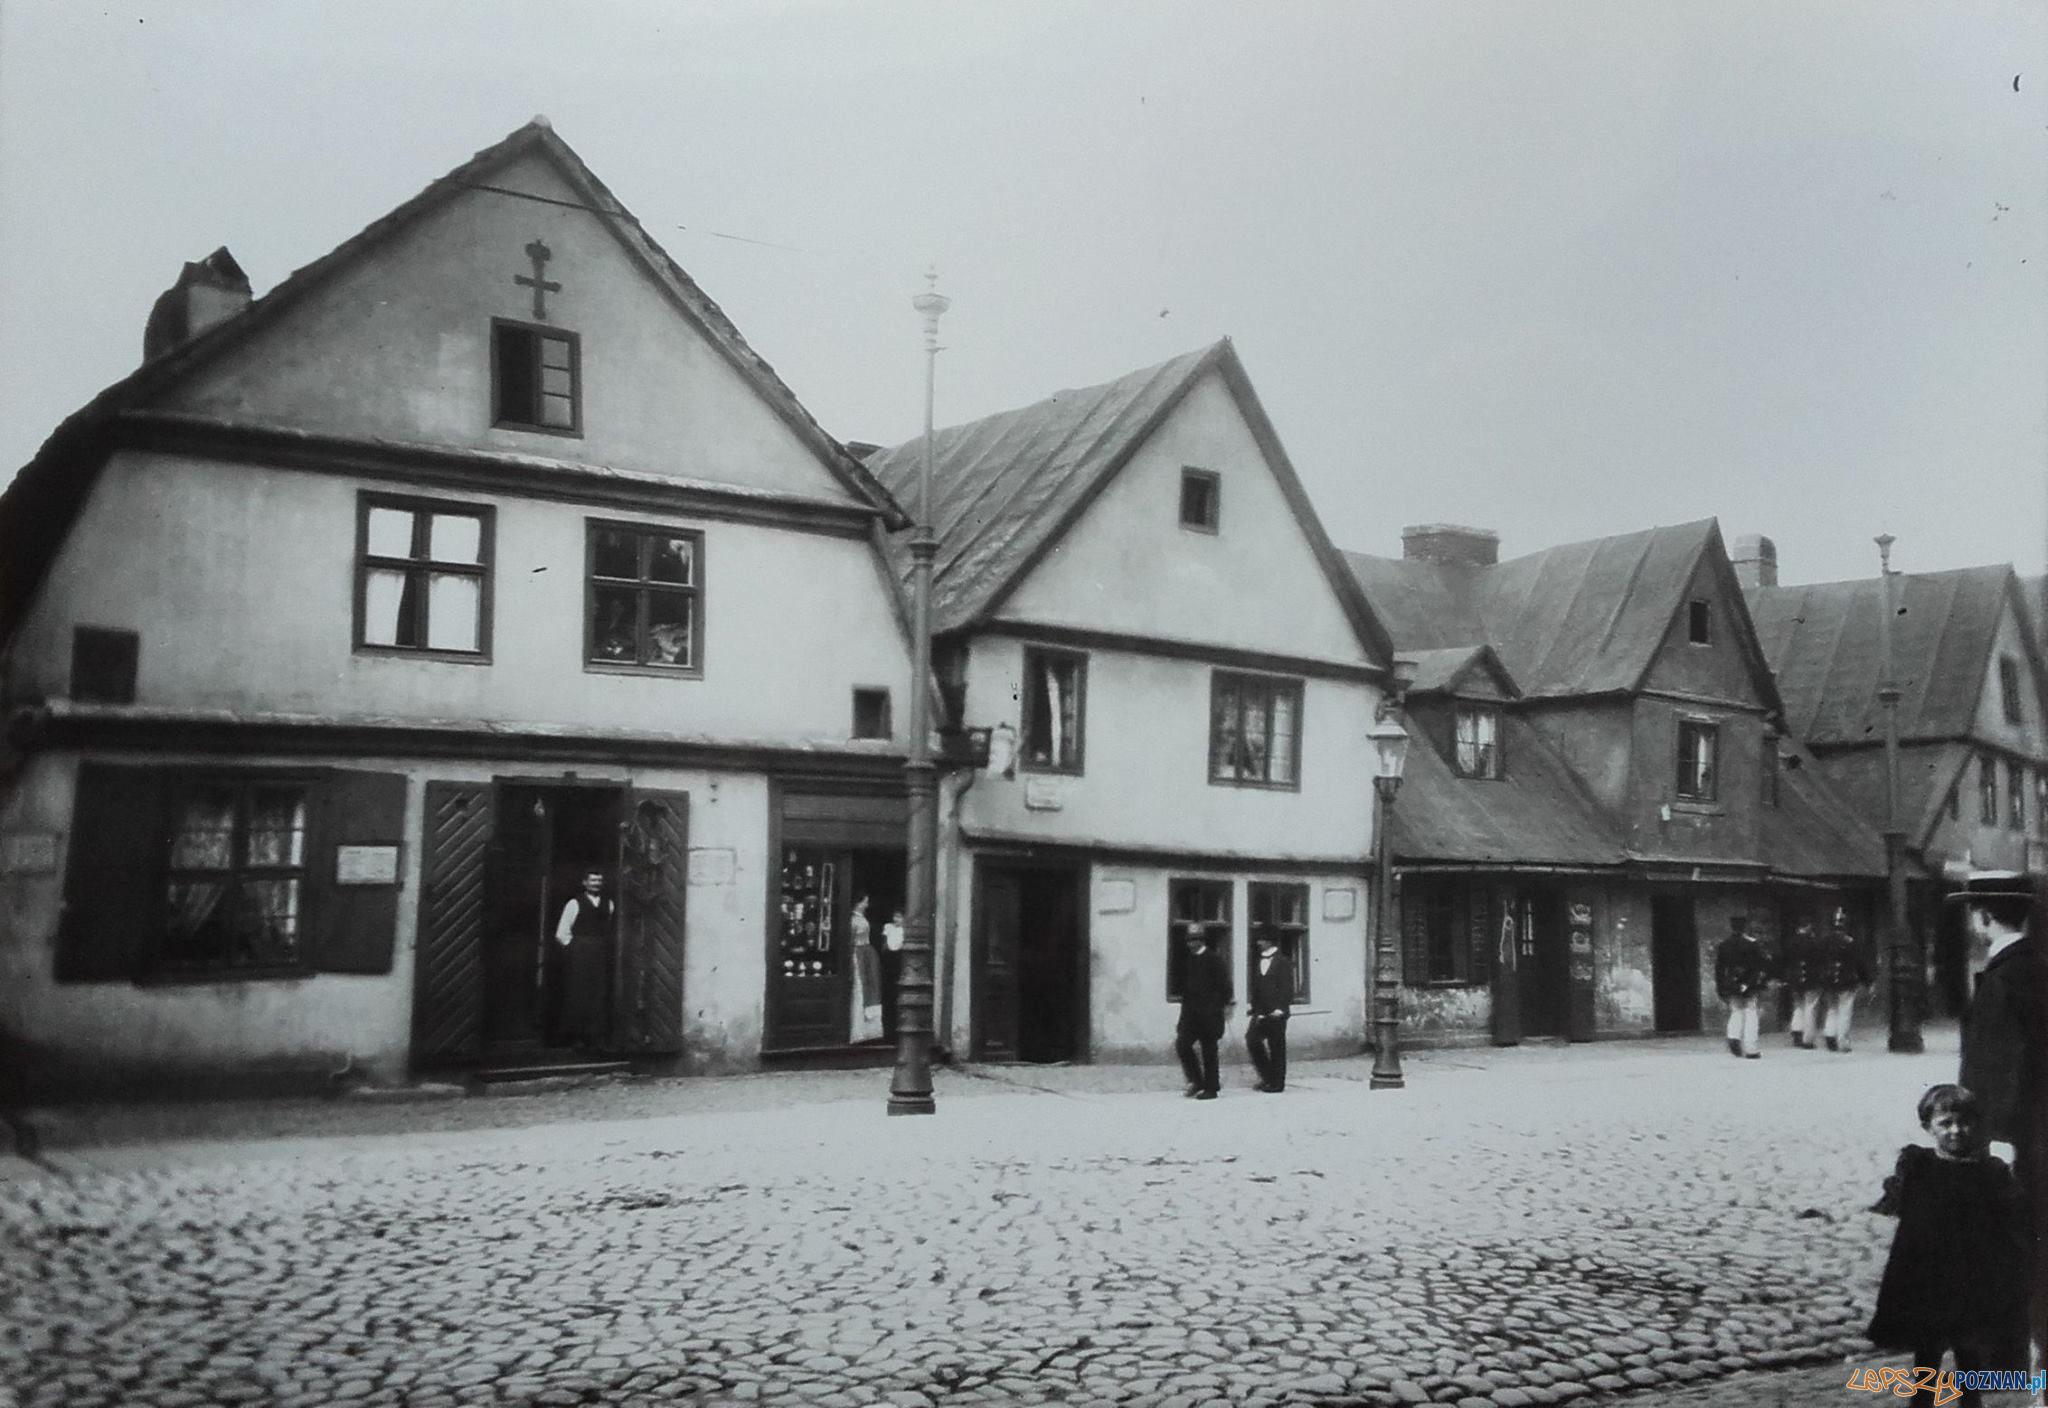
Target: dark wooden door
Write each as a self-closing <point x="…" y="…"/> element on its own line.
<point x="517" y="933"/>
<point x="654" y="858"/>
<point x="1541" y="958"/>
<point x="1501" y="923"/>
<point x="1674" y="964"/>
<point x="995" y="965"/>
<point x="447" y="1007"/>
<point x="810" y="969"/>
<point x="1051" y="967"/>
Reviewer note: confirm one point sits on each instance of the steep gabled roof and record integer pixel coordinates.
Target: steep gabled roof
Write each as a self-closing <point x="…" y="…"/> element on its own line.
<point x="1536" y="813"/>
<point x="1578" y="619"/>
<point x="1006" y="488"/>
<point x="1443" y="671"/>
<point x="1815" y="831"/>
<point x="37" y="508"/>
<point x="1824" y="642"/>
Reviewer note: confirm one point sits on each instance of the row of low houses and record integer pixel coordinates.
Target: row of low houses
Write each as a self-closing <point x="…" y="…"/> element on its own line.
<point x="339" y="640"/>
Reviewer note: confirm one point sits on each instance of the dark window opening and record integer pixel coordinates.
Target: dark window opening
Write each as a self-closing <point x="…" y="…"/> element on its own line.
<point x="537" y="378"/>
<point x="2009" y="688"/>
<point x="646" y="599"/>
<point x="1698" y="753"/>
<point x="1699" y="622"/>
<point x="2015" y="796"/>
<point x="103" y="664"/>
<point x="1201" y="499"/>
<point x="1054" y="710"/>
<point x="871" y="713"/>
<point x="1200" y="906"/>
<point x="1282" y="911"/>
<point x="1987" y="789"/>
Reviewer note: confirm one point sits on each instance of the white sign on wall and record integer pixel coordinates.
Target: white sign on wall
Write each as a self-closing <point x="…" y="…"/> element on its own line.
<point x="712" y="865"/>
<point x="366" y="865"/>
<point x="1116" y="896"/>
<point x="1340" y="904"/>
<point x="1043" y="794"/>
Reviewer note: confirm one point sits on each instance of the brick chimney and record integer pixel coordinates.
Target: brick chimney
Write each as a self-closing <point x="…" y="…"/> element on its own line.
<point x="1451" y="542"/>
<point x="1755" y="558"/>
<point x="208" y="292"/>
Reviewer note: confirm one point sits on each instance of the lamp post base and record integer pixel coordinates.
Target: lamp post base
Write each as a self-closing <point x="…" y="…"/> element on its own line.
<point x="912" y="1105"/>
<point x="1906" y="1043"/>
<point x="1393" y="1082"/>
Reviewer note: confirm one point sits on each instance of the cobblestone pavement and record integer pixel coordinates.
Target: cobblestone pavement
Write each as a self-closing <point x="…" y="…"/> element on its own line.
<point x="1525" y="1227"/>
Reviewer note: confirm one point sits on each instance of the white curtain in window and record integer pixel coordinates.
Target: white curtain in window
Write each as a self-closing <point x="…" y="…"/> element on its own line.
<point x="383" y="593"/>
<point x="453" y="604"/>
<point x="1055" y="715"/>
<point x="455" y="537"/>
<point x="1281" y="763"/>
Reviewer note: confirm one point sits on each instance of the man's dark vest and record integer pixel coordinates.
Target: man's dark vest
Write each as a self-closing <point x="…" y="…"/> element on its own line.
<point x="591" y="918"/>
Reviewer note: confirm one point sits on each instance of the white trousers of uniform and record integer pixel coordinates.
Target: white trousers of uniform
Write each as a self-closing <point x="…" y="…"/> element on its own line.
<point x="1805" y="1013"/>
<point x="1743" y="1020"/>
<point x="1841" y="1015"/>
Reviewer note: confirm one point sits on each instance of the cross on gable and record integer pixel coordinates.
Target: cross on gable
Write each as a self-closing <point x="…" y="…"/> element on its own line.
<point x="540" y="254"/>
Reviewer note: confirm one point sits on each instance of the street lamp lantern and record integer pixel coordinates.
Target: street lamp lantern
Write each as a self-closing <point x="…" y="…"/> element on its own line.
<point x="910" y="1090"/>
<point x="1389" y="738"/>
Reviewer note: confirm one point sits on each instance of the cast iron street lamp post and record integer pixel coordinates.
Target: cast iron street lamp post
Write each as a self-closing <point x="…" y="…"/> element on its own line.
<point x="1906" y="964"/>
<point x="1390" y="745"/>
<point x="910" y="1091"/>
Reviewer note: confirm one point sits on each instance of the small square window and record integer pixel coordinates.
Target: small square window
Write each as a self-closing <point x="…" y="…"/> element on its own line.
<point x="1698" y="761"/>
<point x="1201" y="499"/>
<point x="103" y="664"/>
<point x="1699" y="622"/>
<point x="536" y="376"/>
<point x="871" y="713"/>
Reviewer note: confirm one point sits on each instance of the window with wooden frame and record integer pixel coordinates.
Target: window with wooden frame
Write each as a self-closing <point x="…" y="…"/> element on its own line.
<point x="1255" y="730"/>
<point x="1449" y="932"/>
<point x="1054" y="708"/>
<point x="2015" y="796"/>
<point x="1201" y="500"/>
<point x="1987" y="789"/>
<point x="235" y="881"/>
<point x="1197" y="906"/>
<point x="1282" y="911"/>
<point x="1699" y="772"/>
<point x="423" y="577"/>
<point x="644" y="606"/>
<point x="536" y="378"/>
<point x="2009" y="688"/>
<point x="1476" y="736"/>
<point x="1699" y="621"/>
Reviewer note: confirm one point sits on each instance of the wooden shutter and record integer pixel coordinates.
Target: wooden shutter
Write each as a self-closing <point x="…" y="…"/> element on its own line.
<point x="447" y="1004"/>
<point x="995" y="976"/>
<point x="113" y="874"/>
<point x="355" y="926"/>
<point x="1414" y="912"/>
<point x="654" y="870"/>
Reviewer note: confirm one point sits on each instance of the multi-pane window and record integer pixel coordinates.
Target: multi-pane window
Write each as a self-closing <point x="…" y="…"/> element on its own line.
<point x="1195" y="906"/>
<point x="1201" y="499"/>
<point x="236" y="876"/>
<point x="1282" y="911"/>
<point x="2009" y="688"/>
<point x="646" y="598"/>
<point x="1055" y="688"/>
<point x="1699" y="774"/>
<point x="1444" y="922"/>
<point x="2015" y="796"/>
<point x="1254" y="730"/>
<point x="1699" y="622"/>
<point x="1987" y="789"/>
<point x="423" y="573"/>
<point x="1477" y="752"/>
<point x="537" y="378"/>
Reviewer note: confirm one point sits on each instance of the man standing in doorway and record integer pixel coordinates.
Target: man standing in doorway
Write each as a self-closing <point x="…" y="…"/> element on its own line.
<point x="1204" y="993"/>
<point x="584" y="931"/>
<point x="1742" y="969"/>
<point x="1272" y="994"/>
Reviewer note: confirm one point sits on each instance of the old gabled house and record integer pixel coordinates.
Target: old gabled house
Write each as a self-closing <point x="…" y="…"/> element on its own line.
<point x="341" y="637"/>
<point x="1600" y="782"/>
<point x="1134" y="596"/>
<point x="1973" y="745"/>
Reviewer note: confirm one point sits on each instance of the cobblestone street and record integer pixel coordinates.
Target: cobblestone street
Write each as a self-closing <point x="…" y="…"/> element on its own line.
<point x="1526" y="1227"/>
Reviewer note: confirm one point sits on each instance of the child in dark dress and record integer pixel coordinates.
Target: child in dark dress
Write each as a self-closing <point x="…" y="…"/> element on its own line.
<point x="1955" y="1279"/>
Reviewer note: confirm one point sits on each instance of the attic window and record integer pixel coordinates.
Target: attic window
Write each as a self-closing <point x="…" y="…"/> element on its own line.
<point x="1699" y="622"/>
<point x="2009" y="688"/>
<point x="871" y="713"/>
<point x="1478" y="743"/>
<point x="1201" y="499"/>
<point x="536" y="378"/>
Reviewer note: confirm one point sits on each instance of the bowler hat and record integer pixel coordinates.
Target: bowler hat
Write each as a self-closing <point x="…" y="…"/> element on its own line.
<point x="1992" y="885"/>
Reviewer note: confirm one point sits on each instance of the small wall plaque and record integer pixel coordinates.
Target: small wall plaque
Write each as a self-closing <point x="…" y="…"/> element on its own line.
<point x="28" y="853"/>
<point x="712" y="865"/>
<point x="366" y="865"/>
<point x="1116" y="896"/>
<point x="1043" y="794"/>
<point x="1340" y="904"/>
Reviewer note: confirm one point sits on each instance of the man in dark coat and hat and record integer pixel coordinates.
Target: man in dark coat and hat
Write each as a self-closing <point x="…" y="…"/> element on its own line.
<point x="1204" y="994"/>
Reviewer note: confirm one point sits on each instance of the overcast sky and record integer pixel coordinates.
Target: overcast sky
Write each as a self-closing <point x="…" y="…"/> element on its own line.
<point x="1557" y="269"/>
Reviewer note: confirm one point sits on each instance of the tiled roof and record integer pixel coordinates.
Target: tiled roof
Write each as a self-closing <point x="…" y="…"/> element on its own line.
<point x="1816" y="831"/>
<point x="1007" y="487"/>
<point x="1926" y="772"/>
<point x="1824" y="642"/>
<point x="37" y="508"/>
<point x="1536" y="814"/>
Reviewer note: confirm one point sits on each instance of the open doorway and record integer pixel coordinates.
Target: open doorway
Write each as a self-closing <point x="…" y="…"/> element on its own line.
<point x="1031" y="965"/>
<point x="1674" y="964"/>
<point x="541" y="994"/>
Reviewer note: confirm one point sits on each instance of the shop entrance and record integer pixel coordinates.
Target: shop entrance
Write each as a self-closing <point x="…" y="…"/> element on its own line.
<point x="539" y="994"/>
<point x="1030" y="963"/>
<point x="1541" y="962"/>
<point x="1674" y="964"/>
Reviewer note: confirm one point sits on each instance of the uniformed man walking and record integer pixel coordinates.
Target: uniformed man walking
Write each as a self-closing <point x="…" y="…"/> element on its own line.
<point x="1742" y="970"/>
